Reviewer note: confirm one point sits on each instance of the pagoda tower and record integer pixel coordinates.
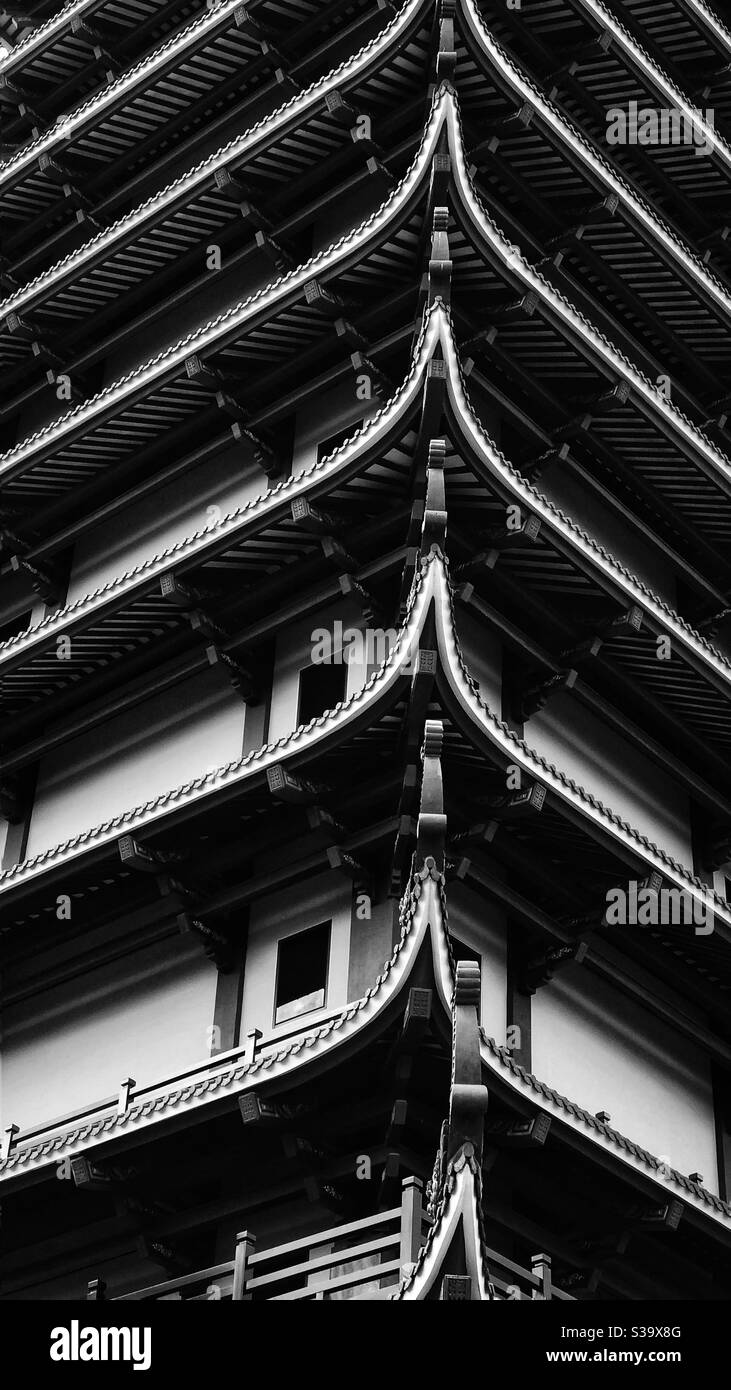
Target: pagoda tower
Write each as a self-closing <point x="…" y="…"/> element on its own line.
<point x="365" y="654"/>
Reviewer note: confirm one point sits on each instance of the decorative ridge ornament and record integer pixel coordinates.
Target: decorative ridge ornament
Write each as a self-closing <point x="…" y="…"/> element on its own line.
<point x="455" y="1190"/>
<point x="432" y="824"/>
<point x="434" y="525"/>
<point x="468" y="1096"/>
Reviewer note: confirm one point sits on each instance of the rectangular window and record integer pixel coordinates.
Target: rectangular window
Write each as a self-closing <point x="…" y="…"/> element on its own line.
<point x="302" y="963"/>
<point x="321" y="688"/>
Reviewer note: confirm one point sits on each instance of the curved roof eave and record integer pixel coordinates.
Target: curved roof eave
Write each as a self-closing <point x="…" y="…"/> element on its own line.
<point x="421" y="914"/>
<point x="213" y="17"/>
<point x="372" y="434"/>
<point x="355" y="242"/>
<point x="711" y="21"/>
<point x="612" y="570"/>
<point x="461" y="1203"/>
<point x="610" y="175"/>
<point x="289" y="113"/>
<point x="567" y="317"/>
<point x="431" y="586"/>
<point x="436" y="330"/>
<point x="654" y="75"/>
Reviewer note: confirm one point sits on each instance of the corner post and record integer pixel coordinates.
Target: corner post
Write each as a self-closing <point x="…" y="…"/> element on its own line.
<point x="245" y="1246"/>
<point x="411" y="1209"/>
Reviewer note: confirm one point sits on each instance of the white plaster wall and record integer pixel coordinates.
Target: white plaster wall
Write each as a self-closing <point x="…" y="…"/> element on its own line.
<point x="144" y="1016"/>
<point x="601" y="1050"/>
<point x="604" y="763"/>
<point x="148" y="750"/>
<point x="482" y="926"/>
<point x="328" y="896"/>
<point x="165" y="517"/>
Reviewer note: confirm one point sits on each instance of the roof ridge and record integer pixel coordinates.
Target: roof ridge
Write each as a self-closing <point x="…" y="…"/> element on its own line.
<point x="235" y="1071"/>
<point x="417" y="882"/>
<point x="36" y="32"/>
<point x="712" y="19"/>
<point x="121" y="821"/>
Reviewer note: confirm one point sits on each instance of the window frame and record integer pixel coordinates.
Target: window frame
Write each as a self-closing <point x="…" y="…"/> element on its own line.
<point x="283" y="941"/>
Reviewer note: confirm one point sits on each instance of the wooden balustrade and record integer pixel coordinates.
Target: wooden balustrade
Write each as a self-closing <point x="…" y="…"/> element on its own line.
<point x="381" y="1248"/>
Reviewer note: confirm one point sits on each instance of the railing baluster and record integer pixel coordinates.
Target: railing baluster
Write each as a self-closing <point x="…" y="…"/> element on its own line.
<point x="317" y="1278"/>
<point x="245" y="1246"/>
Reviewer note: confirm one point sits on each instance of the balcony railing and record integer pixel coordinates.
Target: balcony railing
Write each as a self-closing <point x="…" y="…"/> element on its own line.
<point x="255" y="1046"/>
<point x="363" y="1259"/>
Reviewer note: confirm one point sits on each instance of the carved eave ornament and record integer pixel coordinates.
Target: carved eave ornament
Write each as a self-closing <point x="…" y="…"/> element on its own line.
<point x="456" y="1235"/>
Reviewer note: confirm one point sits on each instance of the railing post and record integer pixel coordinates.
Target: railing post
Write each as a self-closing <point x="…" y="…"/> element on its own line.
<point x="245" y="1246"/>
<point x="541" y="1266"/>
<point x="7" y="1142"/>
<point x="126" y="1091"/>
<point x="411" y="1210"/>
<point x="251" y="1045"/>
<point x="95" y="1288"/>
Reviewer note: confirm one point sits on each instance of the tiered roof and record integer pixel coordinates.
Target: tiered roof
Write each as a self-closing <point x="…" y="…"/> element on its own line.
<point x="506" y="261"/>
